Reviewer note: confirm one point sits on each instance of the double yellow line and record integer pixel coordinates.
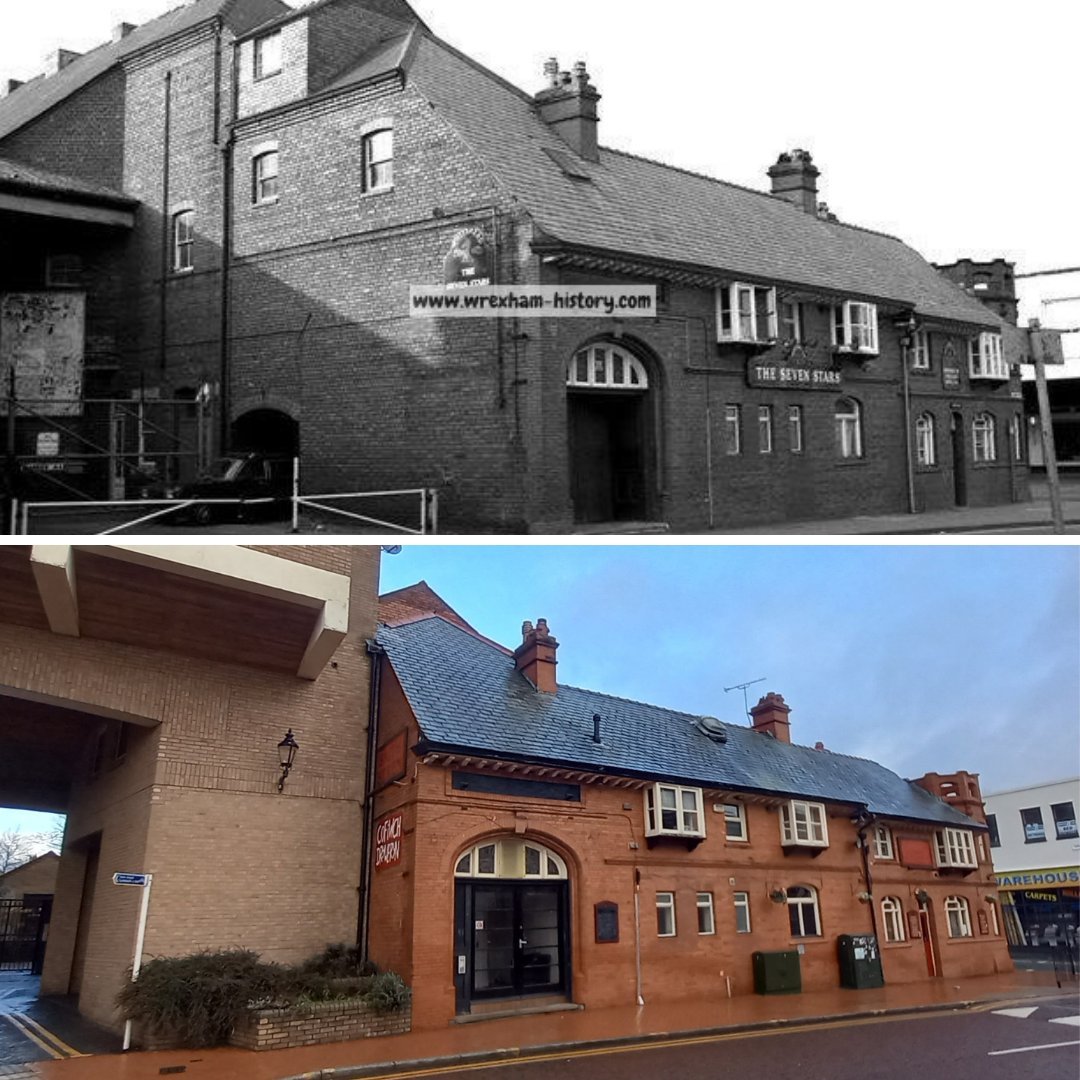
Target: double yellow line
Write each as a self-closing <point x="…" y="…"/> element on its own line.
<point x="52" y="1044"/>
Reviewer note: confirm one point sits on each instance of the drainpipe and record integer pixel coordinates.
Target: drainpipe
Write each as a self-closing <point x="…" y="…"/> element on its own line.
<point x="376" y="652"/>
<point x="637" y="933"/>
<point x="907" y="343"/>
<point x="166" y="224"/>
<point x="224" y="357"/>
<point x="864" y="821"/>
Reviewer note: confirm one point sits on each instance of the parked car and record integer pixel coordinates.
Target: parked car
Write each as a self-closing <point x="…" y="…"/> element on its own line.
<point x="252" y="479"/>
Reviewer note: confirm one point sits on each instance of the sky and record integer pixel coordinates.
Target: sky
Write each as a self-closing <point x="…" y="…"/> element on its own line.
<point x="925" y="659"/>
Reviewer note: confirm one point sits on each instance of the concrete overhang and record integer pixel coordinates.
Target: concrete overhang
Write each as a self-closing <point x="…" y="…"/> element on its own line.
<point x="70" y="209"/>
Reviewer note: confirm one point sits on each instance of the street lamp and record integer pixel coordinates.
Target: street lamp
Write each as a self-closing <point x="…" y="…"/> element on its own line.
<point x="286" y="753"/>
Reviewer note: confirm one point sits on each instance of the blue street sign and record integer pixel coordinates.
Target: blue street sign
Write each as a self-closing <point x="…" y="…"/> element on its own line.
<point x="130" y="879"/>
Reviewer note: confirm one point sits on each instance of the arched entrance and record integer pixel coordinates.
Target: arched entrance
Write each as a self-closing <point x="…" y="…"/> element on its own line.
<point x="266" y="431"/>
<point x="512" y="925"/>
<point x="609" y="421"/>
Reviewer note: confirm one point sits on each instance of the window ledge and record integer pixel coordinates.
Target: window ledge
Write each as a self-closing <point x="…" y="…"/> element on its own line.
<point x="266" y="77"/>
<point x="813" y="850"/>
<point x="266" y="202"/>
<point x="182" y="272"/>
<point x="374" y="192"/>
<point x="883" y="945"/>
<point x="691" y="842"/>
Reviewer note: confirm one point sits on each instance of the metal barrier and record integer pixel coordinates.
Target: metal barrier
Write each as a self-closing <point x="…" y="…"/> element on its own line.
<point x="22" y="933"/>
<point x="429" y="509"/>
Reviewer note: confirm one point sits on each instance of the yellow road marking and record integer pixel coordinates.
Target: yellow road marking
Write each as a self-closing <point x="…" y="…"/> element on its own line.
<point x="524" y="1058"/>
<point x="32" y="1037"/>
<point x="50" y="1036"/>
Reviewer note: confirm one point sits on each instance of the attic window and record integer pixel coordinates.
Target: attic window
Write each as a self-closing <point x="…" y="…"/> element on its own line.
<point x="568" y="165"/>
<point x="267" y="55"/>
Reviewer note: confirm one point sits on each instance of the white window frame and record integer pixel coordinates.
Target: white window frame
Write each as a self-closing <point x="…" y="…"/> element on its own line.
<point x="925" y="442"/>
<point x="706" y="916"/>
<point x="986" y="357"/>
<point x="803" y="824"/>
<point x="995" y="926"/>
<point x="509" y="861"/>
<point x="744" y="312"/>
<point x="764" y="423"/>
<point x="655" y="810"/>
<point x="733" y="429"/>
<point x="795" y="428"/>
<point x="984" y="438"/>
<point x="955" y="848"/>
<point x="1016" y="437"/>
<point x="183" y="254"/>
<point x="800" y="904"/>
<point x="267" y="57"/>
<point x="371" y="184"/>
<point x="883" y="845"/>
<point x="741" y="902"/>
<point x="665" y="902"/>
<point x="603" y="366"/>
<point x="855" y="327"/>
<point x="920" y="351"/>
<point x="849" y="441"/>
<point x="260" y="178"/>
<point x="790" y="320"/>
<point x="958" y="917"/>
<point x="735" y="814"/>
<point x="892" y="919"/>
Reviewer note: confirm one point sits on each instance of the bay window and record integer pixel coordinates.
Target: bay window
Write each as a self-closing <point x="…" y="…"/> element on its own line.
<point x="802" y="824"/>
<point x="671" y="810"/>
<point x="854" y="327"/>
<point x="985" y="358"/>
<point x="746" y="312"/>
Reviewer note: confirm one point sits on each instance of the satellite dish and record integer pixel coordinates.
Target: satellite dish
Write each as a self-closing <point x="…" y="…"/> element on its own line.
<point x="392" y="549"/>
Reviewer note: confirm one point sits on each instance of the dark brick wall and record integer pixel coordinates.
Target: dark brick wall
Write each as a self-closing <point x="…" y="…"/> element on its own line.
<point x="341" y="33"/>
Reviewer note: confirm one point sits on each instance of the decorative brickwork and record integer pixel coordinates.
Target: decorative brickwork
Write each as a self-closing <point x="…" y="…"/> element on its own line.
<point x="331" y="1021"/>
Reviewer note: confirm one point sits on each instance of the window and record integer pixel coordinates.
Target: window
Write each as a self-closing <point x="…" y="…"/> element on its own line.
<point x="1016" y="437"/>
<point x="742" y="912"/>
<point x="1064" y="820"/>
<point x="802" y="824"/>
<point x="746" y="312"/>
<point x="883" y="848"/>
<point x="854" y="327"/>
<point x="985" y="358"/>
<point x="733" y="428"/>
<point x="920" y="351"/>
<point x="378" y="151"/>
<point x="983" y="438"/>
<point x="606" y="367"/>
<point x="1034" y="832"/>
<point x="790" y="321"/>
<point x="959" y="916"/>
<point x="184" y="241"/>
<point x="991" y="824"/>
<point x="673" y="811"/>
<point x="512" y="859"/>
<point x="995" y="926"/>
<point x="706" y="924"/>
<point x="264" y="178"/>
<point x="794" y="419"/>
<point x="764" y="424"/>
<point x="63" y="271"/>
<point x="803" y="911"/>
<point x="849" y="429"/>
<point x="267" y="51"/>
<point x="955" y="848"/>
<point x="735" y="821"/>
<point x="925" y="449"/>
<point x="892" y="918"/>
<point x="665" y="914"/>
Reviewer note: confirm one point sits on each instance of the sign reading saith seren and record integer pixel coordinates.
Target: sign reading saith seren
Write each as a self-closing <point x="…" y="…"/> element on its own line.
<point x="790" y="365"/>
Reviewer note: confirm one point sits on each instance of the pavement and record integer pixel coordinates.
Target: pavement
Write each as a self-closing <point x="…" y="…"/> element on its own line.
<point x="568" y="1032"/>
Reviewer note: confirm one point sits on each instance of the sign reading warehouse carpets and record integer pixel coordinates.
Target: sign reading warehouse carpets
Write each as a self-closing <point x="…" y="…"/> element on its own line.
<point x="42" y="338"/>
<point x="388" y="840"/>
<point x="1055" y="876"/>
<point x="791" y="366"/>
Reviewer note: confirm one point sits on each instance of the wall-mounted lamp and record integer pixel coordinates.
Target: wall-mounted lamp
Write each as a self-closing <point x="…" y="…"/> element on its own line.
<point x="286" y="753"/>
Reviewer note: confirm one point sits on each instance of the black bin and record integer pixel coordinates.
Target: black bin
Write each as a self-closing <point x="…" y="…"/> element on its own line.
<point x="777" y="972"/>
<point x="860" y="961"/>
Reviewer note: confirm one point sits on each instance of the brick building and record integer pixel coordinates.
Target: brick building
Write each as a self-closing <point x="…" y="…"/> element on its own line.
<point x="144" y="693"/>
<point x="34" y="878"/>
<point x="543" y="845"/>
<point x="297" y="171"/>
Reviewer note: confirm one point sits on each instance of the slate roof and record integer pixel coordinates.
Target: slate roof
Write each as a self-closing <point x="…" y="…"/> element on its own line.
<point x="636" y="206"/>
<point x="15" y="175"/>
<point x="467" y="696"/>
<point x="37" y="96"/>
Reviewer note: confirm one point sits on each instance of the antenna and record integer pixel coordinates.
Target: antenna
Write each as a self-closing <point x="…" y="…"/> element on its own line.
<point x="742" y="686"/>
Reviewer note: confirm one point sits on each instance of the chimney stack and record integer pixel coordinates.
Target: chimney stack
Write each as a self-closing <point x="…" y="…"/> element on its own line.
<point x="9" y="86"/>
<point x="122" y="30"/>
<point x="794" y="177"/>
<point x="57" y="61"/>
<point x="960" y="790"/>
<point x="568" y="106"/>
<point x="535" y="656"/>
<point x="770" y="716"/>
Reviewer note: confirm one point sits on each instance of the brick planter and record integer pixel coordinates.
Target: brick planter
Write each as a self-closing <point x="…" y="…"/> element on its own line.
<point x="331" y="1021"/>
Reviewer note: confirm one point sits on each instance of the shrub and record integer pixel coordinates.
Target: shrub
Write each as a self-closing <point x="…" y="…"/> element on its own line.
<point x="340" y="962"/>
<point x="388" y="993"/>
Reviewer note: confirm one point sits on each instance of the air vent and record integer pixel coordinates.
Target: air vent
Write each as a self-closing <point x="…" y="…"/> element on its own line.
<point x="711" y="727"/>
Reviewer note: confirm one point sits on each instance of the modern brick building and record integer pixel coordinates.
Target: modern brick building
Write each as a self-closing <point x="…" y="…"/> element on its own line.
<point x="144" y="693"/>
<point x="541" y="845"/>
<point x="297" y="171"/>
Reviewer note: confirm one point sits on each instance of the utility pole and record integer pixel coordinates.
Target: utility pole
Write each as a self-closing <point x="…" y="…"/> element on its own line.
<point x="1045" y="426"/>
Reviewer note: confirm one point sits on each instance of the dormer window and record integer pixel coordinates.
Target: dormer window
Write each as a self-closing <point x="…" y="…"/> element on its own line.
<point x="802" y="824"/>
<point x="267" y="53"/>
<point x="671" y="810"/>
<point x="854" y="327"/>
<point x="955" y="849"/>
<point x="746" y="313"/>
<point x="985" y="358"/>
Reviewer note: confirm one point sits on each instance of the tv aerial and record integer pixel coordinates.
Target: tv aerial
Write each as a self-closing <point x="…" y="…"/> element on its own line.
<point x="742" y="686"/>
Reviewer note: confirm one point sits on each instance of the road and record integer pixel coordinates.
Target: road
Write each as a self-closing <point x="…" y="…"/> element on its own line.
<point x="1039" y="1042"/>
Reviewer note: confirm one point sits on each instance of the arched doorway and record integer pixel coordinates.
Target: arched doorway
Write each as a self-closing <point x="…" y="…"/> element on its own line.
<point x="609" y="422"/>
<point x="512" y="924"/>
<point x="266" y="431"/>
